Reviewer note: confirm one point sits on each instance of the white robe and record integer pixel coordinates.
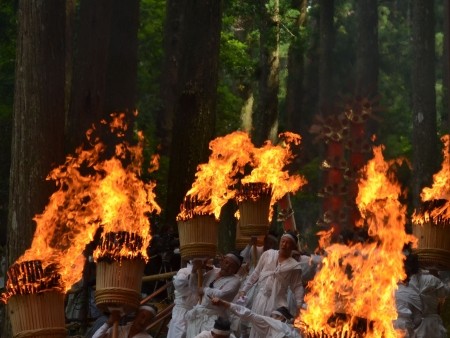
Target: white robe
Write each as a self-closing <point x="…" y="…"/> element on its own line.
<point x="265" y="326"/>
<point x="408" y="305"/>
<point x="432" y="291"/>
<point x="203" y="315"/>
<point x="106" y="331"/>
<point x="184" y="301"/>
<point x="274" y="280"/>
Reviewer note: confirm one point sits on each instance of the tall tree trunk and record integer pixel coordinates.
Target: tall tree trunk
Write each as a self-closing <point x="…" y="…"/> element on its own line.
<point x="367" y="63"/>
<point x="90" y="65"/>
<point x="195" y="114"/>
<point x="326" y="46"/>
<point x="424" y="140"/>
<point x="446" y="77"/>
<point x="298" y="117"/>
<point x="121" y="73"/>
<point x="38" y="118"/>
<point x="169" y="82"/>
<point x="265" y="117"/>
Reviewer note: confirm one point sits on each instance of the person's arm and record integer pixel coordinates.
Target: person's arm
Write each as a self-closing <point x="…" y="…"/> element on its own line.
<point x="297" y="288"/>
<point x="227" y="291"/>
<point x="103" y="331"/>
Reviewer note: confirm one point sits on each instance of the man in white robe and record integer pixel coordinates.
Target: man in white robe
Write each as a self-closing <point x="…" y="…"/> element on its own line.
<point x="432" y="292"/>
<point x="277" y="325"/>
<point x="275" y="273"/>
<point x="184" y="301"/>
<point x="222" y="283"/>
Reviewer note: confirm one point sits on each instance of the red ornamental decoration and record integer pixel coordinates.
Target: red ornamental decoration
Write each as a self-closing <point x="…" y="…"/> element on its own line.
<point x="333" y="203"/>
<point x="334" y="176"/>
<point x="357" y="160"/>
<point x="335" y="149"/>
<point x="357" y="131"/>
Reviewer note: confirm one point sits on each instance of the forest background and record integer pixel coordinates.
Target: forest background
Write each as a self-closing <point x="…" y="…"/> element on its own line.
<point x="196" y="70"/>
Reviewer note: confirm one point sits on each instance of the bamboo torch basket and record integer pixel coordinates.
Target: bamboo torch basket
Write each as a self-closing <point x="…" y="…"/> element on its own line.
<point x="434" y="244"/>
<point x="36" y="301"/>
<point x="198" y="236"/>
<point x="119" y="279"/>
<point x="434" y="237"/>
<point x="254" y="208"/>
<point x="39" y="315"/>
<point x="242" y="241"/>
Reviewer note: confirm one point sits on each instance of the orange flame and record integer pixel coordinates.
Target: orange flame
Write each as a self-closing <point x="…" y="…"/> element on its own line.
<point x="358" y="281"/>
<point x="440" y="190"/>
<point x="269" y="164"/>
<point x="232" y="156"/>
<point x="93" y="192"/>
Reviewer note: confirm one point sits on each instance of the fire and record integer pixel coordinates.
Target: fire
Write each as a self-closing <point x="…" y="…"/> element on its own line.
<point x="231" y="159"/>
<point x="355" y="287"/>
<point x="269" y="167"/>
<point x="440" y="190"/>
<point x="211" y="188"/>
<point x="93" y="191"/>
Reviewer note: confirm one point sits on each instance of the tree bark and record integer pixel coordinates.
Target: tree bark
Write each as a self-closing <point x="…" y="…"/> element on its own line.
<point x="38" y="118"/>
<point x="446" y="72"/>
<point x="367" y="63"/>
<point x="424" y="137"/>
<point x="326" y="46"/>
<point x="169" y="82"/>
<point x="90" y="66"/>
<point x="265" y="117"/>
<point x="195" y="114"/>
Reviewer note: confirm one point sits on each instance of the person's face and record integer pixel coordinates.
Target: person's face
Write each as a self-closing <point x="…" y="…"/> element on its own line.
<point x="142" y="320"/>
<point x="277" y="317"/>
<point x="228" y="266"/>
<point x="286" y="245"/>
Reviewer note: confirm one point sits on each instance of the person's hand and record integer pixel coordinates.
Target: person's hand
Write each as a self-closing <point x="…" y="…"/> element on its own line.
<point x="201" y="291"/>
<point x="196" y="265"/>
<point x="242" y="294"/>
<point x="114" y="317"/>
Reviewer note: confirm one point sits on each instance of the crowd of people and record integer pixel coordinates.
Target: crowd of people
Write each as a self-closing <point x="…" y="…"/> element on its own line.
<point x="259" y="291"/>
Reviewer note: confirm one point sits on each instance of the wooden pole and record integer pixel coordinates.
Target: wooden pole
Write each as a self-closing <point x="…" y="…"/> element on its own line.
<point x="115" y="329"/>
<point x="200" y="282"/>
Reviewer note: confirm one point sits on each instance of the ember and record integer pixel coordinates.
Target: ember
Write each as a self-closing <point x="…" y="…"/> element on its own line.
<point x="253" y="191"/>
<point x="119" y="245"/>
<point x="192" y="206"/>
<point x="29" y="277"/>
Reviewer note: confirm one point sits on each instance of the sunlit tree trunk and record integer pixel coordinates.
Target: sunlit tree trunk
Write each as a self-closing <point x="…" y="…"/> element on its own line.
<point x="38" y="118"/>
<point x="424" y="138"/>
<point x="265" y="116"/>
<point x="195" y="106"/>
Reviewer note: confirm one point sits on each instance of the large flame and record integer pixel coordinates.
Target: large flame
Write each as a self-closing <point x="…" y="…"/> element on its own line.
<point x="94" y="191"/>
<point x="211" y="188"/>
<point x="269" y="166"/>
<point x="440" y="190"/>
<point x="234" y="159"/>
<point x="357" y="281"/>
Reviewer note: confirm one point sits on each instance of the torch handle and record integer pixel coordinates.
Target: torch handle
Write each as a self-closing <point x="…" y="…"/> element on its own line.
<point x="200" y="282"/>
<point x="115" y="329"/>
<point x="254" y="256"/>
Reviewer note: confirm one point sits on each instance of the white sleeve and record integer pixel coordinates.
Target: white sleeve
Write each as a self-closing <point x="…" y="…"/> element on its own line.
<point x="102" y="331"/>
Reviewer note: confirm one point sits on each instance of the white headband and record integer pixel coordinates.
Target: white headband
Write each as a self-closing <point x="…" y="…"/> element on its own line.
<point x="148" y="308"/>
<point x="234" y="258"/>
<point x="221" y="332"/>
<point x="291" y="237"/>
